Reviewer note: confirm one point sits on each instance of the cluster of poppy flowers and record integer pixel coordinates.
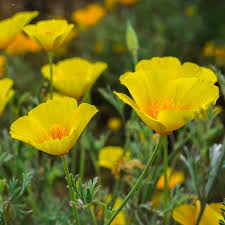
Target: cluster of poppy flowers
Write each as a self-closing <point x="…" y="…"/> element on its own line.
<point x="166" y="94"/>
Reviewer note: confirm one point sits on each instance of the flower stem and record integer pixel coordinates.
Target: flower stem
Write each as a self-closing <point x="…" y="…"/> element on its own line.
<point x="138" y="183"/>
<point x="165" y="200"/>
<point x="50" y="59"/>
<point x="93" y="216"/>
<point x="76" y="218"/>
<point x="82" y="157"/>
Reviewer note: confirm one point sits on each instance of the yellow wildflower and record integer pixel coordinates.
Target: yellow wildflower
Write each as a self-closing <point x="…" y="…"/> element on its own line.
<point x="190" y="11"/>
<point x="167" y="94"/>
<point x="114" y="123"/>
<point x="74" y="76"/>
<point x="173" y="178"/>
<point x="12" y="26"/>
<point x="49" y="34"/>
<point x="55" y="126"/>
<point x="89" y="16"/>
<point x="5" y="92"/>
<point x="112" y="157"/>
<point x="217" y="110"/>
<point x="2" y="65"/>
<point x="121" y="218"/>
<point x="128" y="2"/>
<point x="187" y="214"/>
<point x="21" y="45"/>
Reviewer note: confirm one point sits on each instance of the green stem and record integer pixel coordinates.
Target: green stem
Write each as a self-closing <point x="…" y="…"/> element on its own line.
<point x="74" y="159"/>
<point x="138" y="183"/>
<point x="93" y="216"/>
<point x="165" y="200"/>
<point x="76" y="218"/>
<point x="33" y="202"/>
<point x="50" y="59"/>
<point x="82" y="157"/>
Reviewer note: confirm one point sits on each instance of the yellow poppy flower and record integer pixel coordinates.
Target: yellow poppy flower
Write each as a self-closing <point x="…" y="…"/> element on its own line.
<point x="12" y="26"/>
<point x="121" y="218"/>
<point x="113" y="158"/>
<point x="21" y="45"/>
<point x="187" y="214"/>
<point x="167" y="94"/>
<point x="55" y="126"/>
<point x="5" y="92"/>
<point x="128" y="2"/>
<point x="89" y="16"/>
<point x="114" y="123"/>
<point x="2" y="65"/>
<point x="74" y="76"/>
<point x="173" y="178"/>
<point x="49" y="34"/>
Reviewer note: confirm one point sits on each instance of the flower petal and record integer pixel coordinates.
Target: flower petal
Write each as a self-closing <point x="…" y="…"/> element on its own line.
<point x="185" y="214"/>
<point x="149" y="121"/>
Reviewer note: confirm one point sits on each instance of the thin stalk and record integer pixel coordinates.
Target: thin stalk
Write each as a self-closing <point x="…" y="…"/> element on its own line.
<point x="50" y="59"/>
<point x="33" y="202"/>
<point x="82" y="157"/>
<point x="76" y="218"/>
<point x="74" y="159"/>
<point x="165" y="200"/>
<point x="138" y="183"/>
<point x="93" y="216"/>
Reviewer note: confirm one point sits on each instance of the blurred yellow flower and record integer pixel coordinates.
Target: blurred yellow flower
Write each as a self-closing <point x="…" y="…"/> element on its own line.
<point x="12" y="26"/>
<point x="190" y="11"/>
<point x="121" y="217"/>
<point x="110" y="4"/>
<point x="208" y="49"/>
<point x="113" y="158"/>
<point x="114" y="123"/>
<point x="118" y="48"/>
<point x="2" y="65"/>
<point x="5" y="92"/>
<point x="219" y="52"/>
<point x="89" y="16"/>
<point x="22" y="44"/>
<point x="74" y="76"/>
<point x="128" y="2"/>
<point x="173" y="178"/>
<point x="49" y="34"/>
<point x="187" y="214"/>
<point x="167" y="94"/>
<point x="55" y="126"/>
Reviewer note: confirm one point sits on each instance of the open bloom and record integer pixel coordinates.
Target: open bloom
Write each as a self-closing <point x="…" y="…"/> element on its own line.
<point x="74" y="76"/>
<point x="55" y="126"/>
<point x="22" y="44"/>
<point x="2" y="65"/>
<point x="5" y="92"/>
<point x="89" y="16"/>
<point x="187" y="214"/>
<point x="49" y="34"/>
<point x="167" y="94"/>
<point x="12" y="26"/>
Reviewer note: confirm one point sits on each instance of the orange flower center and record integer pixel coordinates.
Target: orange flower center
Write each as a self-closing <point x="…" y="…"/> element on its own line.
<point x="58" y="132"/>
<point x="153" y="109"/>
